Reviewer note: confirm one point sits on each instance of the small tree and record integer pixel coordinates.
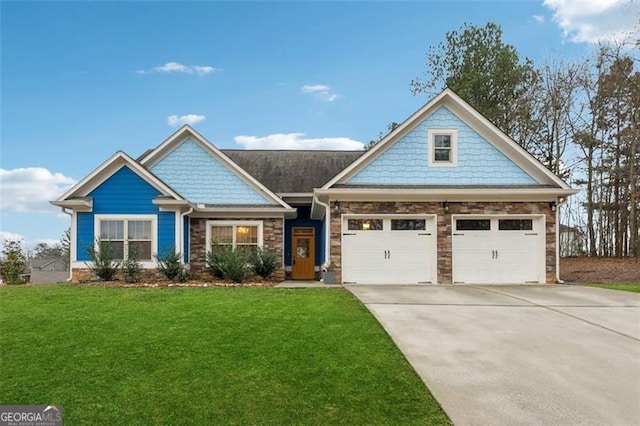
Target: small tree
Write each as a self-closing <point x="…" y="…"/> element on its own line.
<point x="13" y="263"/>
<point x="102" y="263"/>
<point x="264" y="262"/>
<point x="170" y="266"/>
<point x="132" y="268"/>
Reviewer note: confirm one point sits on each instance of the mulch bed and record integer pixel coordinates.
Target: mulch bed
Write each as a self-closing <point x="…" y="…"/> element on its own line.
<point x="600" y="270"/>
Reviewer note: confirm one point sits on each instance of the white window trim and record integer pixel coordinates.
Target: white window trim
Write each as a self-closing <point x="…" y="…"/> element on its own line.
<point x="454" y="147"/>
<point x="146" y="264"/>
<point x="211" y="223"/>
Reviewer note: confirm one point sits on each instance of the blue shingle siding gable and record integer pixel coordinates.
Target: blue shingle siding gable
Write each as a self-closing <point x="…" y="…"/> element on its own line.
<point x="199" y="177"/>
<point x="123" y="193"/>
<point x="406" y="162"/>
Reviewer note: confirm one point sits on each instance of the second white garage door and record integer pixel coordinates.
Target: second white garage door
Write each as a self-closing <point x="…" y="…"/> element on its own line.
<point x="388" y="249"/>
<point x="498" y="249"/>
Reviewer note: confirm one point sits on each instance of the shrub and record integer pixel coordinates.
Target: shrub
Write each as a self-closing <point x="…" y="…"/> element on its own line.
<point x="215" y="258"/>
<point x="13" y="263"/>
<point x="102" y="263"/>
<point x="170" y="266"/>
<point x="132" y="267"/>
<point x="264" y="262"/>
<point x="232" y="265"/>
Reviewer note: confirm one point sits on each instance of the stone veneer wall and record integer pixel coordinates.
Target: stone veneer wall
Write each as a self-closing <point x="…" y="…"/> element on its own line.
<point x="272" y="239"/>
<point x="444" y="227"/>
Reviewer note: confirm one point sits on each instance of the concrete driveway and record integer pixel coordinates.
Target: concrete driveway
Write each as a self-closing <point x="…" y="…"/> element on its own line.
<point x="505" y="355"/>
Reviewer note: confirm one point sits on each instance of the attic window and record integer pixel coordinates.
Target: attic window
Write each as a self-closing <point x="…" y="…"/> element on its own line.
<point x="443" y="147"/>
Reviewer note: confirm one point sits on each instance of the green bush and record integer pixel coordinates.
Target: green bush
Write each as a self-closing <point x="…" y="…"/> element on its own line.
<point x="13" y="263"/>
<point x="215" y="257"/>
<point x="102" y="263"/>
<point x="229" y="264"/>
<point x="132" y="268"/>
<point x="170" y="266"/>
<point x="264" y="262"/>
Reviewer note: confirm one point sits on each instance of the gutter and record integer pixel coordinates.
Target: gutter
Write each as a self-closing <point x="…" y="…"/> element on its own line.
<point x="64" y="210"/>
<point x="327" y="231"/>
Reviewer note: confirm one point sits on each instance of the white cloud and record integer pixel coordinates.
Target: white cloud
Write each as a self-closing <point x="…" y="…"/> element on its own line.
<point x="321" y="91"/>
<point x="173" y="67"/>
<point x="30" y="189"/>
<point x="296" y="141"/>
<point x="179" y="120"/>
<point x="538" y="18"/>
<point x="591" y="21"/>
<point x="4" y="235"/>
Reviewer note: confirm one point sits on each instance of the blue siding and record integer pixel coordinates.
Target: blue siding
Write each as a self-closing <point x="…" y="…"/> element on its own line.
<point x="407" y="162"/>
<point x="199" y="177"/>
<point x="303" y="220"/>
<point x="123" y="193"/>
<point x="186" y="226"/>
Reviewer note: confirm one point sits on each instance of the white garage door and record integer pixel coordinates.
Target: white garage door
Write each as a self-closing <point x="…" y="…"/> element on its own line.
<point x="388" y="249"/>
<point x="498" y="250"/>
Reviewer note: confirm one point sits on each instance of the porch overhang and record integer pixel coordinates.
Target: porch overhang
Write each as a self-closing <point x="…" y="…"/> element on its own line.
<point x="240" y="211"/>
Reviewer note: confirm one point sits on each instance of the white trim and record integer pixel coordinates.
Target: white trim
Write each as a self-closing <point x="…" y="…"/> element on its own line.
<point x="73" y="238"/>
<point x="210" y="223"/>
<point x="453" y="149"/>
<point x="248" y="212"/>
<point x="106" y="170"/>
<point x="146" y="264"/>
<point x="445" y="194"/>
<point x="473" y="119"/>
<point x="187" y="132"/>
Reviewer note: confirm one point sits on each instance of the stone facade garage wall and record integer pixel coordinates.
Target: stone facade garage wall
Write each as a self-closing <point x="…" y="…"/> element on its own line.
<point x="444" y="244"/>
<point x="272" y="239"/>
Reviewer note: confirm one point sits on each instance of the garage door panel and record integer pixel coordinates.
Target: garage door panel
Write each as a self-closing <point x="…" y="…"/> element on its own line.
<point x="497" y="255"/>
<point x="389" y="256"/>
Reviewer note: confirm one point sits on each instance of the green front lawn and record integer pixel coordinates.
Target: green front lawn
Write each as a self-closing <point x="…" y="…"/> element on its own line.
<point x="205" y="356"/>
<point x="626" y="287"/>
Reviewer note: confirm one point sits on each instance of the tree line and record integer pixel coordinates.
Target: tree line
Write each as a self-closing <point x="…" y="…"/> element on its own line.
<point x="579" y="118"/>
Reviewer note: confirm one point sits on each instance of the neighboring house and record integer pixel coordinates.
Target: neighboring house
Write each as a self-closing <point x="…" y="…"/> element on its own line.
<point x="444" y="198"/>
<point x="572" y="242"/>
<point x="48" y="270"/>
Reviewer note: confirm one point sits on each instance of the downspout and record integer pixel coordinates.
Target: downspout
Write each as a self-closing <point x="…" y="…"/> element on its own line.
<point x="327" y="233"/>
<point x="64" y="210"/>
<point x="559" y="203"/>
<point x="181" y="236"/>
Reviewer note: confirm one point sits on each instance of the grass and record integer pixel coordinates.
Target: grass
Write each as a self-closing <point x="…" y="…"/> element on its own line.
<point x="625" y="287"/>
<point x="205" y="356"/>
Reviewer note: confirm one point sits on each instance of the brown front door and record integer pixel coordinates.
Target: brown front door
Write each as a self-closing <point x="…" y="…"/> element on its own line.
<point x="303" y="254"/>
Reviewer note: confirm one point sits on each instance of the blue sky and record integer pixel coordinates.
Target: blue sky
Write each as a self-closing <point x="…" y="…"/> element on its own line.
<point x="81" y="80"/>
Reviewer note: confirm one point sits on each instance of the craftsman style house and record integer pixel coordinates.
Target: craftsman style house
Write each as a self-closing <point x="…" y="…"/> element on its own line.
<point x="444" y="198"/>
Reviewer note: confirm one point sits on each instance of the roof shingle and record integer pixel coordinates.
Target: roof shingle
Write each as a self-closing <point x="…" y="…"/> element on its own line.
<point x="292" y="171"/>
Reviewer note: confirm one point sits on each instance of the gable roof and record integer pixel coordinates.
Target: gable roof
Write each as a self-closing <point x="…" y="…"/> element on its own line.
<point x="76" y="196"/>
<point x="292" y="171"/>
<point x="186" y="132"/>
<point x="473" y="119"/>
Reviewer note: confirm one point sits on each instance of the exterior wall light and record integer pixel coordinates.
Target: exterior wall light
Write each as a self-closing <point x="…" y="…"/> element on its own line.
<point x="552" y="206"/>
<point x="445" y="206"/>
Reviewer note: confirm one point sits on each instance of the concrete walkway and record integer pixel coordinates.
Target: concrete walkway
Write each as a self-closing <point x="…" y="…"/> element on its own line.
<point x="519" y="355"/>
<point x="305" y="284"/>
